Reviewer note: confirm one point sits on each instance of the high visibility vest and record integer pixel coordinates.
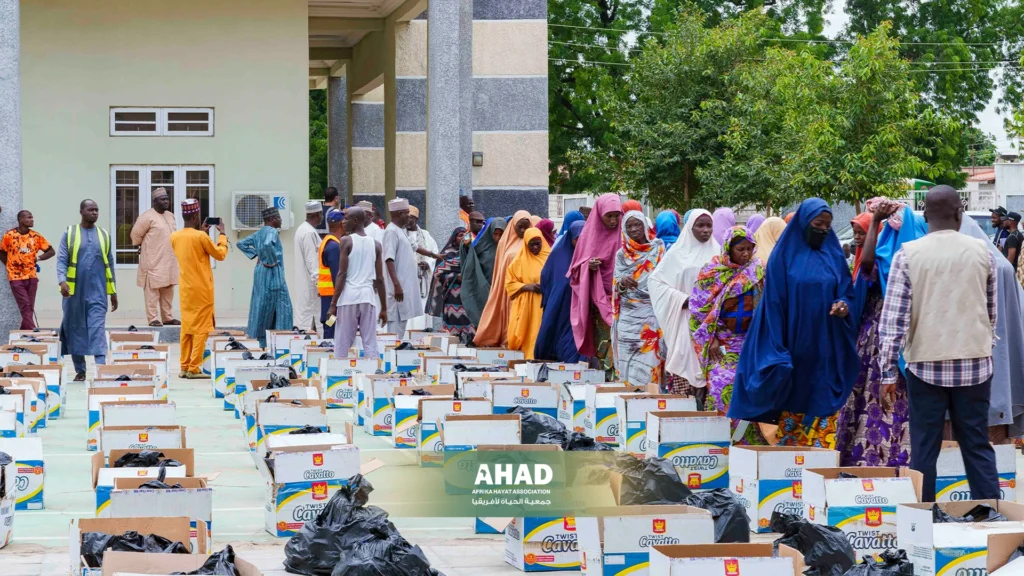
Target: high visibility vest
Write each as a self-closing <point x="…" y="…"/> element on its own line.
<point x="324" y="281"/>
<point x="74" y="243"/>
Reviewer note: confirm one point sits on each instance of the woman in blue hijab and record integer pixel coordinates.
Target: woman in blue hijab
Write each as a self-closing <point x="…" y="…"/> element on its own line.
<point x="555" y="341"/>
<point x="570" y="219"/>
<point x="667" y="227"/>
<point x="799" y="361"/>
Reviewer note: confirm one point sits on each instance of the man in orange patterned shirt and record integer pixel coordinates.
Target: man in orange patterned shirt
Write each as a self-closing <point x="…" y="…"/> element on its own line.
<point x="19" y="251"/>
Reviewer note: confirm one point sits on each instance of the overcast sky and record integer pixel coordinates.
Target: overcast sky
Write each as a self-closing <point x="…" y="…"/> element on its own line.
<point x="988" y="121"/>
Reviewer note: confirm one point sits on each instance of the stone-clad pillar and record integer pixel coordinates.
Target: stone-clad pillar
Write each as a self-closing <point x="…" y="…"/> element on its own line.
<point x="447" y="89"/>
<point x="10" y="142"/>
<point x="466" y="98"/>
<point x="338" y="149"/>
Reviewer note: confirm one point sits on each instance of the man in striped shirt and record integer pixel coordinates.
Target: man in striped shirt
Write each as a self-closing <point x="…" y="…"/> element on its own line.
<point x="940" y="310"/>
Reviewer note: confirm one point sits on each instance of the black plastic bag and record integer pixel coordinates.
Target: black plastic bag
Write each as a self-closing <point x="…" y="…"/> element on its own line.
<point x="123" y="378"/>
<point x="219" y="564"/>
<point x="1016" y="554"/>
<point x="980" y="513"/>
<point x="19" y="350"/>
<point x="4" y="391"/>
<point x="16" y="374"/>
<point x="5" y="459"/>
<point x="464" y="368"/>
<point x="573" y="441"/>
<point x="536" y="423"/>
<point x="649" y="481"/>
<point x="420" y="392"/>
<point x="132" y="328"/>
<point x="847" y="475"/>
<point x="147" y="347"/>
<point x="890" y="563"/>
<point x="307" y="429"/>
<point x="235" y="345"/>
<point x="542" y="373"/>
<point x="143" y="459"/>
<point x="95" y="544"/>
<point x="826" y="550"/>
<point x="731" y="521"/>
<point x="276" y="381"/>
<point x="391" y="557"/>
<point x="159" y="485"/>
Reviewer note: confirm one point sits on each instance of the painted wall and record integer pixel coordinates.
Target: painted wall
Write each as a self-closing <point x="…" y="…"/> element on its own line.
<point x="248" y="60"/>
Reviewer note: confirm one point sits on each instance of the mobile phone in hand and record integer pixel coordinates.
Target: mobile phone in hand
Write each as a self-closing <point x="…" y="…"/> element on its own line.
<point x="212" y="221"/>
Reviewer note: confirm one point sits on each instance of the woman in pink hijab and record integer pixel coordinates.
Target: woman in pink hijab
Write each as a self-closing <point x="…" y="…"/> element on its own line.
<point x="590" y="277"/>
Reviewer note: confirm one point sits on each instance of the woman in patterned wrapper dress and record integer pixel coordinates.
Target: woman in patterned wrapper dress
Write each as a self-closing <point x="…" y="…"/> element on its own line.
<point x="639" y="345"/>
<point x="728" y="290"/>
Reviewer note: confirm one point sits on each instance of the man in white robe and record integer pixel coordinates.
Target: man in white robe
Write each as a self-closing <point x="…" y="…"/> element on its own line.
<point x="307" y="268"/>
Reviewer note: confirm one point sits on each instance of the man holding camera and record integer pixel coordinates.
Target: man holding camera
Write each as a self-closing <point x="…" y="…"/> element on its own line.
<point x="192" y="246"/>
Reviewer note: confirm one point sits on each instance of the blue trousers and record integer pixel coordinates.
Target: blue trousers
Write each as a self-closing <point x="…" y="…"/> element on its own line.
<point x="968" y="413"/>
<point x="325" y="304"/>
<point x="79" y="362"/>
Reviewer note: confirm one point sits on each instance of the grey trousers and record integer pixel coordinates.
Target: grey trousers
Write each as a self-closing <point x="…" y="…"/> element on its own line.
<point x="398" y="327"/>
<point x="352" y="317"/>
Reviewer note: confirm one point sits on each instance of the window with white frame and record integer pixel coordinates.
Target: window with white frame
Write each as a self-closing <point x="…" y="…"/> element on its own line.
<point x="161" y="121"/>
<point x="131" y="190"/>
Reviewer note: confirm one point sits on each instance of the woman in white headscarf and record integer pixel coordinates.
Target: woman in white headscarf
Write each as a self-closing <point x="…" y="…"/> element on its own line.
<point x="670" y="287"/>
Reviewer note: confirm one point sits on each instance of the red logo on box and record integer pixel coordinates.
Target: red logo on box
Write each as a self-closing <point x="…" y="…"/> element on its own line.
<point x="319" y="490"/>
<point x="799" y="458"/>
<point x="658" y="526"/>
<point x="318" y="459"/>
<point x="873" y="517"/>
<point x="693" y="480"/>
<point x="526" y="392"/>
<point x="352" y="363"/>
<point x="798" y="490"/>
<point x="732" y="567"/>
<point x="143" y="437"/>
<point x="457" y="406"/>
<point x="662" y="404"/>
<point x="569" y="523"/>
<point x="868" y="485"/>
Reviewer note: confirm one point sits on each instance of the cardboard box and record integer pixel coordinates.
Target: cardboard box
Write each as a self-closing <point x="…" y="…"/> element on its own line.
<point x="768" y="479"/>
<point x="460" y="433"/>
<point x="302" y="475"/>
<point x="406" y="405"/>
<point x="447" y="375"/>
<point x="52" y="374"/>
<point x="540" y="397"/>
<point x="231" y="366"/>
<point x="479" y="383"/>
<point x="8" y="479"/>
<point x="141" y="437"/>
<point x="164" y="564"/>
<point x="498" y="356"/>
<point x="952" y="548"/>
<point x="218" y="340"/>
<point x="432" y="365"/>
<point x="1000" y="548"/>
<point x="297" y="347"/>
<point x="530" y="368"/>
<point x="34" y="356"/>
<point x="138" y="413"/>
<point x="697" y="444"/>
<point x="632" y="411"/>
<point x="12" y="415"/>
<point x="586" y="376"/>
<point x="313" y="356"/>
<point x="618" y="540"/>
<point x="274" y="418"/>
<point x="339" y="388"/>
<point x="260" y="393"/>
<point x="103" y="476"/>
<point x="98" y="396"/>
<point x="542" y="544"/>
<point x="432" y="409"/>
<point x="38" y="387"/>
<point x="194" y="500"/>
<point x="379" y="413"/>
<point x="218" y="366"/>
<point x="410" y="360"/>
<point x="951" y="483"/>
<point x="118" y="338"/>
<point x="725" y="560"/>
<point x="33" y="393"/>
<point x="243" y="379"/>
<point x="28" y="473"/>
<point x="600" y="419"/>
<point x="863" y="507"/>
<point x="174" y="529"/>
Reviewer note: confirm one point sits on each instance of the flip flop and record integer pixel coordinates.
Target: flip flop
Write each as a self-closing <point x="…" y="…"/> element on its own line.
<point x="173" y="323"/>
<point x="156" y="323"/>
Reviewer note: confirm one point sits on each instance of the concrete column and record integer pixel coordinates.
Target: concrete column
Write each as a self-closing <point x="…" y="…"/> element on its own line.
<point x="390" y="111"/>
<point x="466" y="98"/>
<point x="338" y="148"/>
<point x="448" y="89"/>
<point x="10" y="142"/>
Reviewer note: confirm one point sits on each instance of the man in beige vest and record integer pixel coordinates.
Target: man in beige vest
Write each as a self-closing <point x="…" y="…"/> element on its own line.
<point x="940" y="310"/>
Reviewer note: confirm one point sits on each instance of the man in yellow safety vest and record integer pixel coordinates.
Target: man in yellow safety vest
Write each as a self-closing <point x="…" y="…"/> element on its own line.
<point x="85" y="272"/>
<point x="328" y="257"/>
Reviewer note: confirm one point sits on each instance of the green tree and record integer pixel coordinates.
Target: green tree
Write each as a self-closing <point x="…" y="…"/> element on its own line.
<point x="317" y="143"/>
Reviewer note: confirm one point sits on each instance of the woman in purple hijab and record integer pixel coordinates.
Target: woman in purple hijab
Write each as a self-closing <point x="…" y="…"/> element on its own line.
<point x="723" y="219"/>
<point x="754" y="222"/>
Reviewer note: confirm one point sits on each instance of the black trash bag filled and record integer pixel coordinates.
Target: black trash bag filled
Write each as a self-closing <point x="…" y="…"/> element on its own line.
<point x="219" y="564"/>
<point x="19" y="350"/>
<point x="535" y="423"/>
<point x="265" y="356"/>
<point x="391" y="557"/>
<point x="144" y="459"/>
<point x="649" y="481"/>
<point x="292" y="374"/>
<point x="421" y="392"/>
<point x="405" y="346"/>
<point x="980" y="513"/>
<point x="464" y="368"/>
<point x="32" y="339"/>
<point x="159" y="485"/>
<point x="320" y="544"/>
<point x="123" y="378"/>
<point x="247" y="356"/>
<point x="731" y="521"/>
<point x="235" y="345"/>
<point x="5" y="459"/>
<point x="847" y="475"/>
<point x="326" y="344"/>
<point x="16" y="374"/>
<point x="542" y="373"/>
<point x="276" y="381"/>
<point x="4" y="391"/>
<point x="147" y="347"/>
<point x="132" y="328"/>
<point x="573" y="441"/>
<point x="307" y="429"/>
<point x="95" y="544"/>
<point x="826" y="550"/>
<point x="890" y="563"/>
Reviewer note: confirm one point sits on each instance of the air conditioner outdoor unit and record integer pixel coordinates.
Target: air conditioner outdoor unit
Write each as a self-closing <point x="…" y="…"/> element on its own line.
<point x="247" y="209"/>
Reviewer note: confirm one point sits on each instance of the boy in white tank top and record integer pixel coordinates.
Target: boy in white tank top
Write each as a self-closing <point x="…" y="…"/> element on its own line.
<point x="359" y="275"/>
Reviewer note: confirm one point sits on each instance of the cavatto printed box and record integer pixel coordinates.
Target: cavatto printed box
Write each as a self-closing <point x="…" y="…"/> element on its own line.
<point x="98" y="396"/>
<point x="193" y="500"/>
<point x="952" y="548"/>
<point x="951" y="483"/>
<point x="406" y="404"/>
<point x="7" y="356"/>
<point x="537" y="396"/>
<point x="130" y="563"/>
<point x="36" y="386"/>
<point x="448" y="375"/>
<point x="725" y="560"/>
<point x="697" y="444"/>
<point x="12" y="415"/>
<point x="498" y="356"/>
<point x="432" y="365"/>
<point x="768" y="479"/>
<point x="261" y="393"/>
<point x="138" y="413"/>
<point x="460" y="433"/>
<point x="278" y="418"/>
<point x="103" y="473"/>
<point x="52" y="374"/>
<point x="619" y="540"/>
<point x="312" y="357"/>
<point x="29" y="472"/>
<point x="530" y="369"/>
<point x="246" y="375"/>
<point x="231" y="366"/>
<point x="380" y="414"/>
<point x="542" y="544"/>
<point x="586" y="376"/>
<point x="433" y="409"/>
<point x="1001" y="547"/>
<point x="33" y="404"/>
<point x="632" y="410"/>
<point x="7" y="478"/>
<point x="278" y="341"/>
<point x="141" y="437"/>
<point x="864" y="507"/>
<point x="219" y="366"/>
<point x="173" y="529"/>
<point x="476" y="384"/>
<point x="118" y="338"/>
<point x="338" y="385"/>
<point x="600" y="419"/>
<point x="297" y="347"/>
<point x="219" y="340"/>
<point x="409" y="360"/>
<point x="572" y="406"/>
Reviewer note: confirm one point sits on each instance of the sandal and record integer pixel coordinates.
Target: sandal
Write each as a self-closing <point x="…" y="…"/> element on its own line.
<point x="80" y="377"/>
<point x="156" y="323"/>
<point x="173" y="323"/>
